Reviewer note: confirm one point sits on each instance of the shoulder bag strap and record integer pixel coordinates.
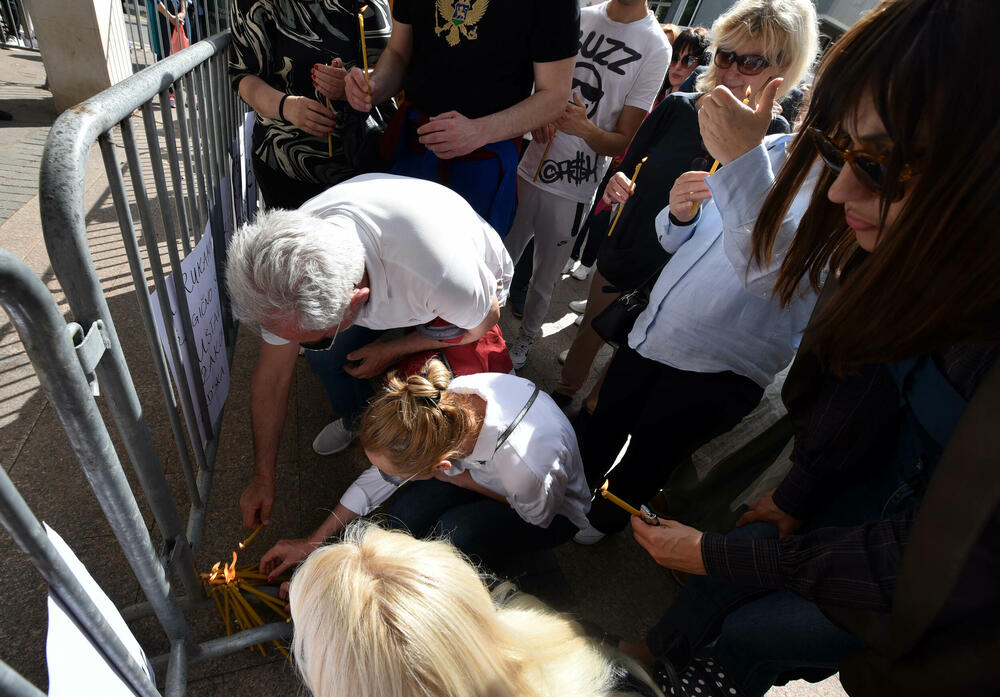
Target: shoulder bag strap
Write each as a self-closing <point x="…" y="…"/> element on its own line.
<point x="517" y="419"/>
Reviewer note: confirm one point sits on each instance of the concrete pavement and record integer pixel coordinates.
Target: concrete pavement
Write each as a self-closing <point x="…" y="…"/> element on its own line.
<point x="613" y="583"/>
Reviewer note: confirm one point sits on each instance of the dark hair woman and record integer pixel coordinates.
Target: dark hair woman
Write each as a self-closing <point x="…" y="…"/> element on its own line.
<point x="690" y="51"/>
<point x="877" y="553"/>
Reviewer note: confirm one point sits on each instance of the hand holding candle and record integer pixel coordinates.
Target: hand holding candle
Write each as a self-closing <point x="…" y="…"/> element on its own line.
<point x="715" y="165"/>
<point x="645" y="514"/>
<point x="631" y="186"/>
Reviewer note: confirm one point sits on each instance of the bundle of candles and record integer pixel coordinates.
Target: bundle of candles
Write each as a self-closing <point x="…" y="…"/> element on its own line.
<point x="226" y="584"/>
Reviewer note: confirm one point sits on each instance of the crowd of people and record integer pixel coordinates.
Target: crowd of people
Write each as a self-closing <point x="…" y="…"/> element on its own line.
<point x="838" y="224"/>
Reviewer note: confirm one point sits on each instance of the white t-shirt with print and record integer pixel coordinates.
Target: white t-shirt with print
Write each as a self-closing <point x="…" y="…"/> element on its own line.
<point x="427" y="252"/>
<point x="617" y="65"/>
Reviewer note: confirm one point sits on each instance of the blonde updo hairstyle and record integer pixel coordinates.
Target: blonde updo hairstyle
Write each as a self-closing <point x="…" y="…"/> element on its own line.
<point x="381" y="614"/>
<point x="787" y="29"/>
<point x="415" y="422"/>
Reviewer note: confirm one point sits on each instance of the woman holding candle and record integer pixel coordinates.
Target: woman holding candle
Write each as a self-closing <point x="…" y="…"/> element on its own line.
<point x="877" y="554"/>
<point x="382" y="614"/>
<point x="287" y="61"/>
<point x="782" y="44"/>
<point x="491" y="463"/>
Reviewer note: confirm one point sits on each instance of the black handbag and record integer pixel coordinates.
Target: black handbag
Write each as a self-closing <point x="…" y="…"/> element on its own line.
<point x="614" y="322"/>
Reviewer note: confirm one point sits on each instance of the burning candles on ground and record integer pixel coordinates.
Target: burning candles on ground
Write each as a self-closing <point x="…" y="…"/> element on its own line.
<point x="621" y="206"/>
<point x="715" y="164"/>
<point x="226" y="584"/>
<point x="364" y="49"/>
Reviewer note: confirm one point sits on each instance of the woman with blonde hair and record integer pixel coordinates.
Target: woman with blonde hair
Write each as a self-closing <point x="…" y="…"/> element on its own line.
<point x="491" y="463"/>
<point x="382" y="614"/>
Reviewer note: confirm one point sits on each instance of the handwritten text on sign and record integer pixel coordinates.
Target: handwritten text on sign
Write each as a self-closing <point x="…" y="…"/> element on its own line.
<point x="202" y="289"/>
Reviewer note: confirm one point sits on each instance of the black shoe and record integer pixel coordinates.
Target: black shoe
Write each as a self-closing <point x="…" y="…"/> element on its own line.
<point x="562" y="400"/>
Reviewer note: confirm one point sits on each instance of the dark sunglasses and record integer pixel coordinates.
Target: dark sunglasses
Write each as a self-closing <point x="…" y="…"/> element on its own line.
<point x="749" y="64"/>
<point x="687" y="61"/>
<point x="870" y="169"/>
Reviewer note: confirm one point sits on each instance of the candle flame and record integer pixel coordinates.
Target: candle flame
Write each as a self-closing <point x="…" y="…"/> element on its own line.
<point x="604" y="486"/>
<point x="747" y="95"/>
<point x="362" y="9"/>
<point x="230" y="570"/>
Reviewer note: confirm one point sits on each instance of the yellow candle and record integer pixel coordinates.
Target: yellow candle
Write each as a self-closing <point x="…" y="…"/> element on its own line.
<point x="364" y="49"/>
<point x="621" y="206"/>
<point x="545" y="152"/>
<point x="617" y="501"/>
<point x="260" y="527"/>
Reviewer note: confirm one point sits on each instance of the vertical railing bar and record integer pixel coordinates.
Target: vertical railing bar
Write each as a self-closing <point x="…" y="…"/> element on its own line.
<point x="206" y="116"/>
<point x="117" y="184"/>
<point x="194" y="106"/>
<point x="177" y="275"/>
<point x="192" y="199"/>
<point x="170" y="138"/>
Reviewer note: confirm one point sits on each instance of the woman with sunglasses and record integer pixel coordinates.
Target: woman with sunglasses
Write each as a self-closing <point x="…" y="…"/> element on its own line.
<point x="690" y="51"/>
<point x="491" y="463"/>
<point x="877" y="553"/>
<point x="756" y="41"/>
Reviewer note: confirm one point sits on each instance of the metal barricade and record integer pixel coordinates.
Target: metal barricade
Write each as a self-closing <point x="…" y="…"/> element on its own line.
<point x="16" y="28"/>
<point x="149" y="29"/>
<point x="178" y="162"/>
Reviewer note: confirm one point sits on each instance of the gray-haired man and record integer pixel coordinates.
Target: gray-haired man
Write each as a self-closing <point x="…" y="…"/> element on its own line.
<point x="376" y="252"/>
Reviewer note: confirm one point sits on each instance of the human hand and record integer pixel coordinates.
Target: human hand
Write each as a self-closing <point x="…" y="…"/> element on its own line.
<point x="359" y="96"/>
<point x="256" y="501"/>
<point x="310" y="116"/>
<point x="451" y="135"/>
<point x="687" y="193"/>
<point x="375" y="358"/>
<point x="765" y="510"/>
<point x="574" y="120"/>
<point x="544" y="134"/>
<point x="730" y="128"/>
<point x="286" y="554"/>
<point x="671" y="544"/>
<point x="329" y="79"/>
<point x="618" y="190"/>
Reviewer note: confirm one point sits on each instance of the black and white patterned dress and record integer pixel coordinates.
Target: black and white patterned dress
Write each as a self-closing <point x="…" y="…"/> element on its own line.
<point x="280" y="41"/>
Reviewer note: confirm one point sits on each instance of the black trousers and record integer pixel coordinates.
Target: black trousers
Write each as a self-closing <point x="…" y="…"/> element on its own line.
<point x="669" y="414"/>
<point x="281" y="191"/>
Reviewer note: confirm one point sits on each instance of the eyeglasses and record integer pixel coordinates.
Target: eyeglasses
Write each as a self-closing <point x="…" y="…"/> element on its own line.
<point x="324" y="344"/>
<point x="870" y="169"/>
<point x="748" y="64"/>
<point x="687" y="60"/>
<point x="394" y="480"/>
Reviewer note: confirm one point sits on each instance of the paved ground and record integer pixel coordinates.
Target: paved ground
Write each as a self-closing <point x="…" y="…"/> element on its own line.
<point x="613" y="583"/>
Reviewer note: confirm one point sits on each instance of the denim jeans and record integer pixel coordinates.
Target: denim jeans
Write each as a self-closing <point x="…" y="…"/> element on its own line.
<point x="487" y="530"/>
<point x="347" y="394"/>
<point x="758" y="634"/>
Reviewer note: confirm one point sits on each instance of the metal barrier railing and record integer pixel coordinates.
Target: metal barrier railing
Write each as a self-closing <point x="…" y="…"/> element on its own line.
<point x="180" y="171"/>
<point x="149" y="31"/>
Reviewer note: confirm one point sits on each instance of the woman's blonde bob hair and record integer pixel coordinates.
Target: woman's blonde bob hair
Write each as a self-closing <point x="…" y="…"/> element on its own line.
<point x="786" y="28"/>
<point x="415" y="422"/>
<point x="381" y="614"/>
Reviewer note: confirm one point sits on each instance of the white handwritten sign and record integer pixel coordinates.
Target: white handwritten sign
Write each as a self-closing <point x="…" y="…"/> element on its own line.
<point x="201" y="286"/>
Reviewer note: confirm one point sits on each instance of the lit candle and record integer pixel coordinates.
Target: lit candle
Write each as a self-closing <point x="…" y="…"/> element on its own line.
<point x="260" y="527"/>
<point x="617" y="501"/>
<point x="715" y="165"/>
<point x="621" y="206"/>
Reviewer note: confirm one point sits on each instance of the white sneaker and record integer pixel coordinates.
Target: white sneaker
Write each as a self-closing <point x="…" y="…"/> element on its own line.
<point x="563" y="355"/>
<point x="581" y="272"/>
<point x="333" y="438"/>
<point x="578" y="306"/>
<point x="568" y="266"/>
<point x="588" y="535"/>
<point x="578" y="321"/>
<point x="519" y="350"/>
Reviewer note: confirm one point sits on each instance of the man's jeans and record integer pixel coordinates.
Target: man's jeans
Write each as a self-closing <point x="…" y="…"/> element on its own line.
<point x="348" y="395"/>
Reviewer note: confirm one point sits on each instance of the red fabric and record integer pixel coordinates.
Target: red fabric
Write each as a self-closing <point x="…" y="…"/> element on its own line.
<point x="178" y="40"/>
<point x="488" y="355"/>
